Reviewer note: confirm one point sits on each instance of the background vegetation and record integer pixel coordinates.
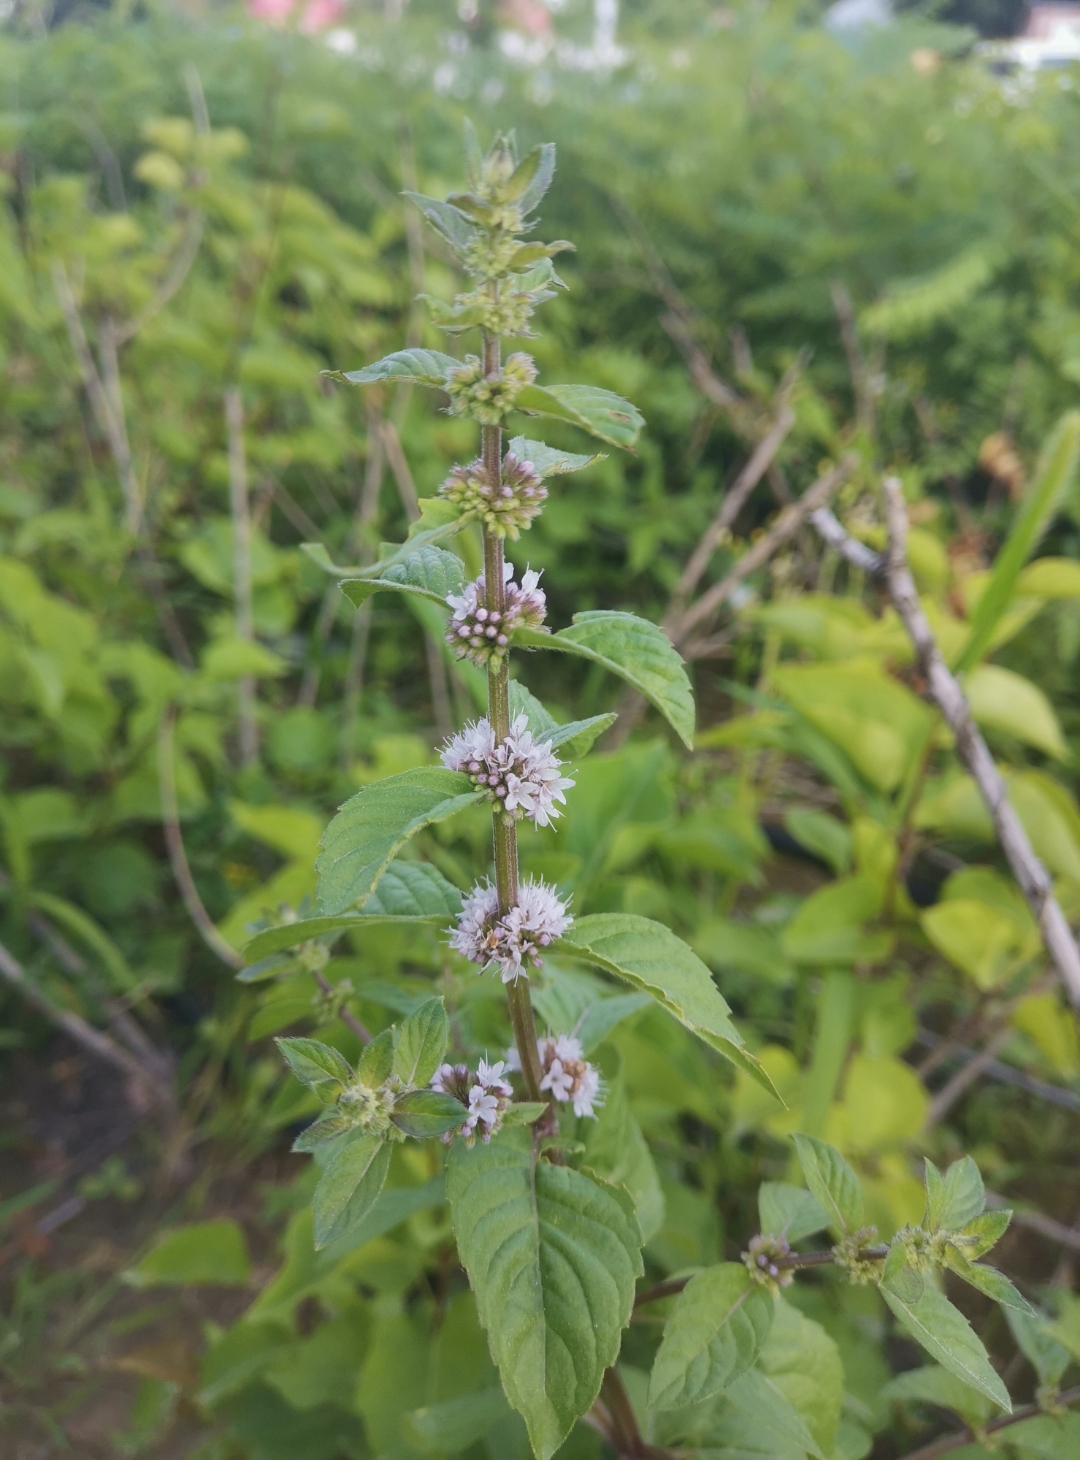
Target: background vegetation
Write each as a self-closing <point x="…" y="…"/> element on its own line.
<point x="203" y="208"/>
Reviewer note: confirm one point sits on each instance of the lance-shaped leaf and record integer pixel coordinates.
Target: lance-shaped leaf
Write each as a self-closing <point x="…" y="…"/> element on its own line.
<point x="650" y="957"/>
<point x="426" y="367"/>
<point x="947" y="1336"/>
<point x="762" y="1423"/>
<point x="955" y="1198"/>
<point x="579" y="735"/>
<point x="424" y="1113"/>
<point x="988" y="1280"/>
<point x="602" y="413"/>
<point x="428" y="572"/>
<point x="421" y="1043"/>
<point x="328" y="1126"/>
<point x="715" y="1332"/>
<point x="315" y="1064"/>
<point x="833" y="1183"/>
<point x="1047" y="1357"/>
<point x="547" y="460"/>
<point x="552" y="1257"/>
<point x="438" y="520"/>
<point x="446" y="220"/>
<point x="632" y="648"/>
<point x="412" y="892"/>
<point x="377" y="822"/>
<point x="531" y="178"/>
<point x="349" y="1186"/>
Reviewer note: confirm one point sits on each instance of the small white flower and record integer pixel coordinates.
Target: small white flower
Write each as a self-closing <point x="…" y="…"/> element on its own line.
<point x="521" y="773"/>
<point x="568" y="1075"/>
<point x="491" y="1077"/>
<point x="515" y="938"/>
<point x="483" y="635"/>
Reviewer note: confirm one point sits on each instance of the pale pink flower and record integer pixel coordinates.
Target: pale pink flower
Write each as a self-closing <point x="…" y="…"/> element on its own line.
<point x="521" y="773"/>
<point x="516" y="938"/>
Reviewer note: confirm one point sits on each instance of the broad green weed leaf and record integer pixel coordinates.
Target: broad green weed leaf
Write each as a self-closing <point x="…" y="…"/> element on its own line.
<point x="616" y="1150"/>
<point x="314" y="1063"/>
<point x="1003" y="700"/>
<point x="552" y="1257"/>
<point x="1047" y="1357"/>
<point x="424" y="1113"/>
<point x="934" y="1385"/>
<point x="789" y="1211"/>
<point x="602" y="413"/>
<point x="1056" y="470"/>
<point x="763" y="1411"/>
<point x="349" y="1186"/>
<point x="956" y="1198"/>
<point x="607" y="1014"/>
<point x="206" y="1252"/>
<point x="457" y="1424"/>
<point x="832" y="1182"/>
<point x="370" y="829"/>
<point x="946" y="1335"/>
<point x="637" y="651"/>
<point x="421" y="1043"/>
<point x="649" y="956"/>
<point x="714" y="1334"/>
<point x="427" y="367"/>
<point x="428" y="572"/>
<point x="547" y="460"/>
<point x="803" y="1363"/>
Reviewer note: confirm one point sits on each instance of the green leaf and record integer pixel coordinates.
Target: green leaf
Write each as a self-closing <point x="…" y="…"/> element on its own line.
<point x="207" y="1252"/>
<point x="457" y="1424"/>
<point x="901" y="1279"/>
<point x="935" y="1385"/>
<point x="446" y="220"/>
<point x="421" y="1043"/>
<point x="328" y="1126"/>
<point x="763" y="1417"/>
<point x="989" y="1281"/>
<point x="955" y="1198"/>
<point x="715" y="1331"/>
<point x="605" y="1015"/>
<point x="547" y="460"/>
<point x="313" y="1063"/>
<point x="524" y="1112"/>
<point x="552" y="1257"/>
<point x="428" y="367"/>
<point x="371" y="828"/>
<point x="1003" y="700"/>
<point x="578" y="734"/>
<point x="532" y="178"/>
<point x="634" y="649"/>
<point x="989" y="1228"/>
<point x="377" y="1059"/>
<point x="947" y="1336"/>
<point x="832" y="1182"/>
<point x="804" y="1364"/>
<point x="427" y="573"/>
<point x="1047" y="1357"/>
<point x="1055" y="473"/>
<point x="439" y="520"/>
<point x="600" y="412"/>
<point x="423" y="1113"/>
<point x="789" y="1211"/>
<point x="649" y="956"/>
<point x="349" y="1186"/>
<point x="616" y="1150"/>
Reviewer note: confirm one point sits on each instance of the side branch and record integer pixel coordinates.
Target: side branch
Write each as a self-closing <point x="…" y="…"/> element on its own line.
<point x="947" y="1443"/>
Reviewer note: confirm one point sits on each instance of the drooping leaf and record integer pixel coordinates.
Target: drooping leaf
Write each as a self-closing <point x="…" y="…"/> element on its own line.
<point x="946" y="1335"/>
<point x="547" y="460"/>
<point x="602" y="413"/>
<point x="649" y="956"/>
<point x="427" y="367"/>
<point x="349" y="1186"/>
<point x="315" y="1064"/>
<point x="421" y="1043"/>
<point x="632" y="648"/>
<point x="429" y="573"/>
<point x="789" y="1211"/>
<point x="956" y="1198"/>
<point x="832" y="1182"/>
<point x="714" y="1334"/>
<point x="988" y="1280"/>
<point x="424" y="1113"/>
<point x="1056" y="470"/>
<point x="450" y="222"/>
<point x="552" y="1257"/>
<point x="371" y="827"/>
<point x="407" y="892"/>
<point x="439" y="521"/>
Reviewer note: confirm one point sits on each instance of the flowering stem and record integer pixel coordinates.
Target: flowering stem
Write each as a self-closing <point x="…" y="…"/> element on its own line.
<point x="505" y="832"/>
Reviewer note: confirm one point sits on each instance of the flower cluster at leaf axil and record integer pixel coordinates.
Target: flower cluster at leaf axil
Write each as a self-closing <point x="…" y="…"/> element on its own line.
<point x="505" y="508"/>
<point x="567" y="1074"/>
<point x="481" y="634"/>
<point x="766" y="1260"/>
<point x="488" y="397"/>
<point x="850" y="1255"/>
<point x="521" y="773"/>
<point x="513" y="939"/>
<point x="485" y="1095"/>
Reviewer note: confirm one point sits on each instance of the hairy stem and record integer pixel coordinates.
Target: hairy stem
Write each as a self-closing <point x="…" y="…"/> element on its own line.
<point x="504" y="831"/>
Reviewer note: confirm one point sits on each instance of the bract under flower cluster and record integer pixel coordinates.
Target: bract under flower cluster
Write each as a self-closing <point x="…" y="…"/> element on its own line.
<point x="521" y="774"/>
<point x="506" y="508"/>
<point x="485" y="1094"/>
<point x="514" y="939"/>
<point x="483" y="635"/>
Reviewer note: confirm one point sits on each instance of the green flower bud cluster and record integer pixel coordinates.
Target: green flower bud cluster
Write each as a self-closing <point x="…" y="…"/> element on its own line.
<point x="767" y="1261"/>
<point x="848" y="1255"/>
<point x="369" y="1110"/>
<point x="505" y="509"/>
<point x="927" y="1251"/>
<point x="488" y="399"/>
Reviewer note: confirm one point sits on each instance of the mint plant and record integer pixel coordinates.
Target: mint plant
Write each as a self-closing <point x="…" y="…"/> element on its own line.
<point x="550" y="1238"/>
